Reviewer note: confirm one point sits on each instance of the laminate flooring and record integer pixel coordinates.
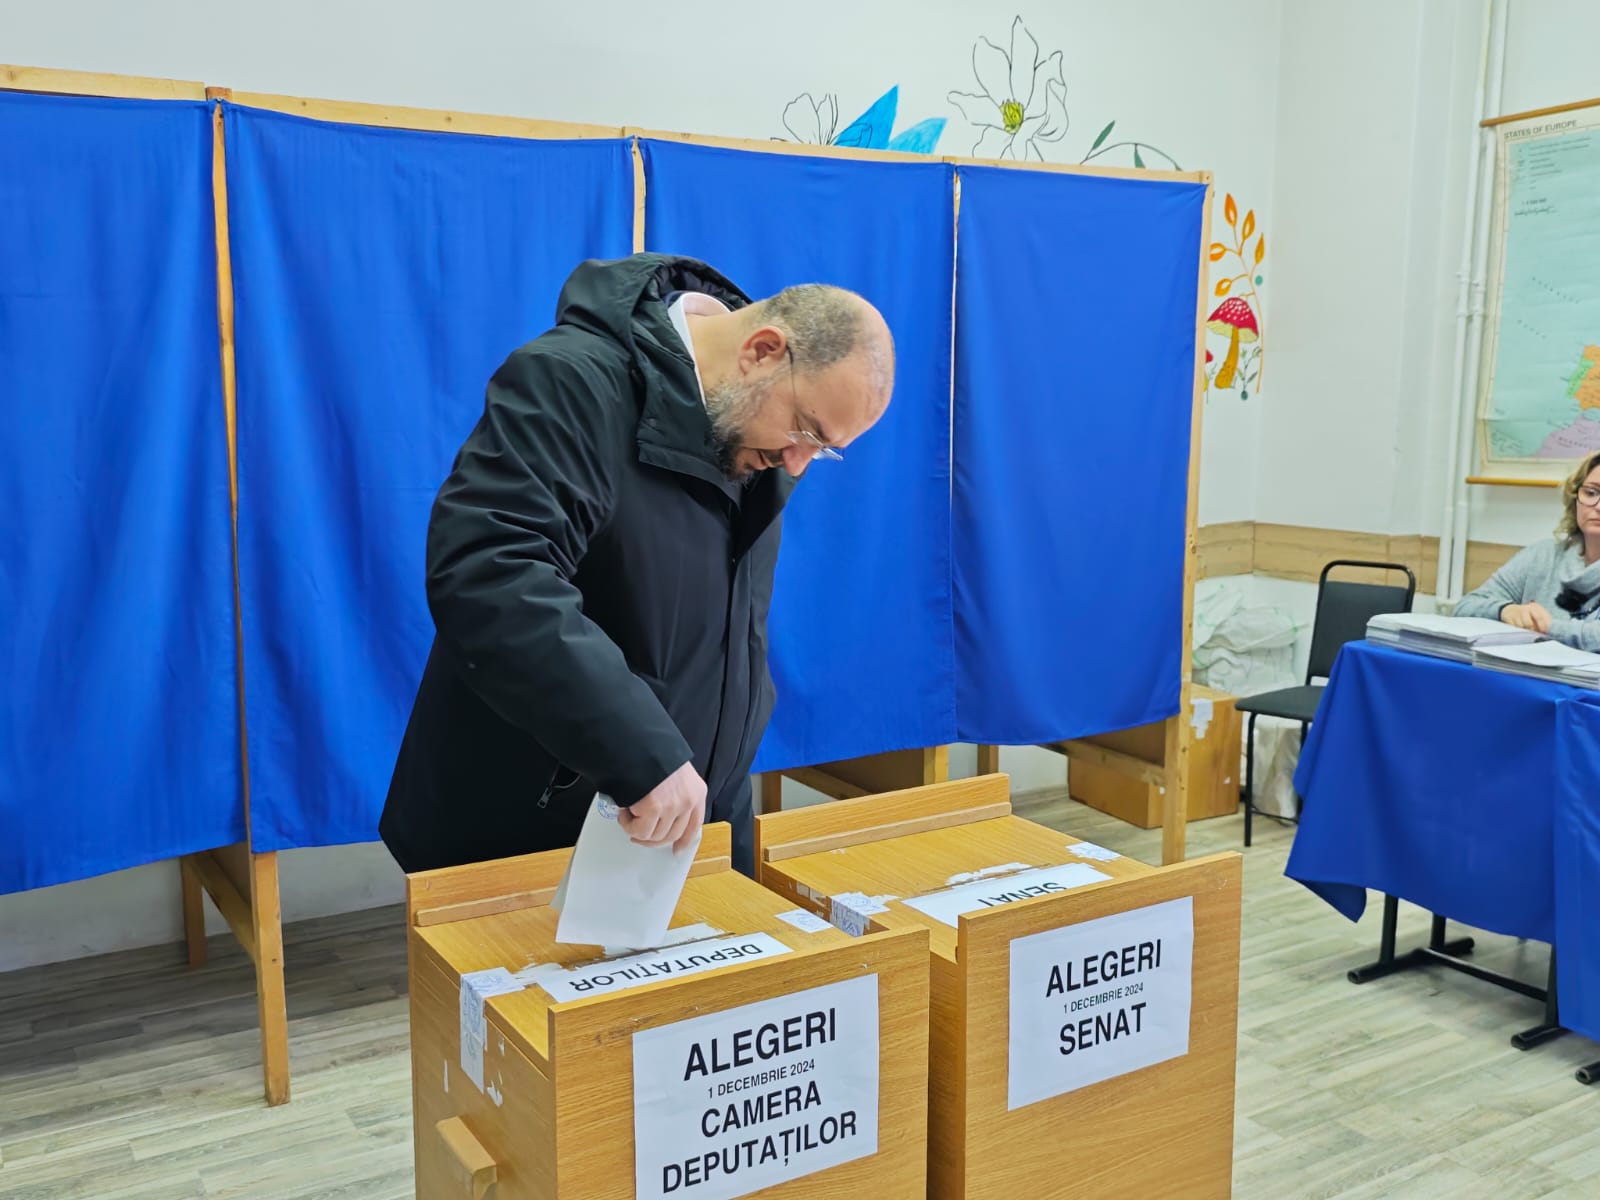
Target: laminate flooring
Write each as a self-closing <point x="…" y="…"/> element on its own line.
<point x="130" y="1077"/>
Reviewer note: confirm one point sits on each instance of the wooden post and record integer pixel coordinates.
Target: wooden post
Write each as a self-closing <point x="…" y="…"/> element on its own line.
<point x="771" y="792"/>
<point x="639" y="186"/>
<point x="267" y="918"/>
<point x="1180" y="729"/>
<point x="254" y="875"/>
<point x="988" y="760"/>
<point x="194" y="913"/>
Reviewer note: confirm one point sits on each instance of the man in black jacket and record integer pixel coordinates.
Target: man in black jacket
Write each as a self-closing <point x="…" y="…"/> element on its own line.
<point x="600" y="560"/>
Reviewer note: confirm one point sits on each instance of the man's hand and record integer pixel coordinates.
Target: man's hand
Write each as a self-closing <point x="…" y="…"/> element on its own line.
<point x="1532" y="616"/>
<point x="672" y="811"/>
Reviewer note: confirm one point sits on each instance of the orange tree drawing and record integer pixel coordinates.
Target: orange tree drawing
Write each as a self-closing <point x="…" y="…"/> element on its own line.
<point x="1238" y="317"/>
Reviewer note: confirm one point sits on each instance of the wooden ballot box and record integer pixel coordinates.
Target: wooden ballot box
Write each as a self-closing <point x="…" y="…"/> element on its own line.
<point x="1213" y="765"/>
<point x="1084" y="1005"/>
<point x="766" y="1054"/>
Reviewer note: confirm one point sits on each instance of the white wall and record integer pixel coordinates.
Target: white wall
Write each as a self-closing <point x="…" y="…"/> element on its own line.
<point x="1371" y="162"/>
<point x="1375" y="117"/>
<point x="1196" y="84"/>
<point x="144" y="906"/>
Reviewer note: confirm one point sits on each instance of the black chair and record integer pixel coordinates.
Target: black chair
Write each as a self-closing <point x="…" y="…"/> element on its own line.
<point x="1343" y="609"/>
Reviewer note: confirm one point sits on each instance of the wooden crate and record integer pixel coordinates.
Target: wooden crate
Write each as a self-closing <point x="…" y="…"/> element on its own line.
<point x="1213" y="767"/>
<point x="1142" y="1111"/>
<point x="777" y="1046"/>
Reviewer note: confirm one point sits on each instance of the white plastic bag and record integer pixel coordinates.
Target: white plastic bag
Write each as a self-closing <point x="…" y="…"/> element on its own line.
<point x="1244" y="651"/>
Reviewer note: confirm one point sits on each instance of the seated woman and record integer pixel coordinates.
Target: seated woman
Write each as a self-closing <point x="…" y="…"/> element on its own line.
<point x="1553" y="586"/>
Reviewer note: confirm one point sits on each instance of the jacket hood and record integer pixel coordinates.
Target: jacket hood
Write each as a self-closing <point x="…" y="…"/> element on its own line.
<point x="625" y="300"/>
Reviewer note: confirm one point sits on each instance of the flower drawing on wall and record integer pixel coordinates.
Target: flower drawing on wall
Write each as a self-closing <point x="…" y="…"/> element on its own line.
<point x="1021" y="106"/>
<point x="1139" y="149"/>
<point x="1021" y="99"/>
<point x="810" y="120"/>
<point x="815" y="122"/>
<point x="1237" y="318"/>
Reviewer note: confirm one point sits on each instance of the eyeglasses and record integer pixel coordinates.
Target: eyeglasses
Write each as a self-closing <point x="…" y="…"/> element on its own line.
<point x="1589" y="497"/>
<point x="802" y="437"/>
<point x="819" y="448"/>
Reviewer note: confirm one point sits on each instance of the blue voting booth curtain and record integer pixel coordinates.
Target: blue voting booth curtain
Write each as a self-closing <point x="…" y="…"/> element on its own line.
<point x="859" y="630"/>
<point x="1577" y="864"/>
<point x="118" y="691"/>
<point x="381" y="276"/>
<point x="1074" y="384"/>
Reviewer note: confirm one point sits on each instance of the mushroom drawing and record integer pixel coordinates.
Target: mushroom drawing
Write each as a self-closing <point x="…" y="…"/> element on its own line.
<point x="1234" y="318"/>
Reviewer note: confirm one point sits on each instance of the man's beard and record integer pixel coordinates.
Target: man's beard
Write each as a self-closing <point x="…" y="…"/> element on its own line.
<point x="731" y="407"/>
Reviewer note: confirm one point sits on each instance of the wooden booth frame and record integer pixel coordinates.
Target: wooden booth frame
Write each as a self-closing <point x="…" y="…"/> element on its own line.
<point x="243" y="883"/>
<point x="896" y="770"/>
<point x="263" y="938"/>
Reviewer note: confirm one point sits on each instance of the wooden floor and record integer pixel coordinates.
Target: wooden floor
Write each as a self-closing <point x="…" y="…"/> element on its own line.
<point x="128" y="1077"/>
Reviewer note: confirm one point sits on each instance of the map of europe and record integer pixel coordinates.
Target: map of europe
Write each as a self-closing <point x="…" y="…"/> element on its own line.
<point x="1542" y="381"/>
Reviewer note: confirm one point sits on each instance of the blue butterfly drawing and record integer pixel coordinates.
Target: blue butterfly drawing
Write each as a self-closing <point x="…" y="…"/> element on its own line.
<point x="815" y="122"/>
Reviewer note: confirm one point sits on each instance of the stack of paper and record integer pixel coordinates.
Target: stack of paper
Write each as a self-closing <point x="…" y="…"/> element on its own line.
<point x="1543" y="660"/>
<point x="1455" y="638"/>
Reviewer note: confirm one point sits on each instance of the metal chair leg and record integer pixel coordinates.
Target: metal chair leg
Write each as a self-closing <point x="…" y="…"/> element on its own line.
<point x="1249" y="777"/>
<point x="1299" y="800"/>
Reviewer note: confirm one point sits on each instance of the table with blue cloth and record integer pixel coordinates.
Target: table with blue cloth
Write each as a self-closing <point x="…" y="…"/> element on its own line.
<point x="1472" y="793"/>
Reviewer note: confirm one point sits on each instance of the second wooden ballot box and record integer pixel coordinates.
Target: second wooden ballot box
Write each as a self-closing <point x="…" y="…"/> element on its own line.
<point x="1084" y="1004"/>
<point x="764" y="1053"/>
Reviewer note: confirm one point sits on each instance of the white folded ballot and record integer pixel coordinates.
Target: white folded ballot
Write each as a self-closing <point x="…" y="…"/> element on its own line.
<point x="1455" y="638"/>
<point x="1542" y="660"/>
<point x="617" y="893"/>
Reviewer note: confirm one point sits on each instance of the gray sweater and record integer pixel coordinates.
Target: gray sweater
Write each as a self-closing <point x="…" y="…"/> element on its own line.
<point x="1537" y="573"/>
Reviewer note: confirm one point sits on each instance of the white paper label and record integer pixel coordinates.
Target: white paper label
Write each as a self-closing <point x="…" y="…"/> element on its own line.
<point x="476" y="987"/>
<point x="1090" y="850"/>
<point x="1093" y="1001"/>
<point x="849" y="911"/>
<point x="805" y="922"/>
<point x="619" y="974"/>
<point x="948" y="905"/>
<point x="741" y="1100"/>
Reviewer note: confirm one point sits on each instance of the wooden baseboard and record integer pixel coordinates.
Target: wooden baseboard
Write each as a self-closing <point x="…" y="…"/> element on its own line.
<point x="1299" y="552"/>
<point x="1226" y="549"/>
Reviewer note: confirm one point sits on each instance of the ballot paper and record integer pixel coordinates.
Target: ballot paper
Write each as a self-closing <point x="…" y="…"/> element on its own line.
<point x="1454" y="638"/>
<point x="1542" y="660"/>
<point x="616" y="892"/>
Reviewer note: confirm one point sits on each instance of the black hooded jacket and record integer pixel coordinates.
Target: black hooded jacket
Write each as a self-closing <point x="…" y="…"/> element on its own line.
<point x="599" y="588"/>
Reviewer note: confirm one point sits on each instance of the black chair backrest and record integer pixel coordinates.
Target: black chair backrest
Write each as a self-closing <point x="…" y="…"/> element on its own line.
<point x="1344" y="607"/>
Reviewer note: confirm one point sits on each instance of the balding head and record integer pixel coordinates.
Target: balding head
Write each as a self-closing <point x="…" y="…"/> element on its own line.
<point x="794" y="376"/>
<point x="827" y="326"/>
